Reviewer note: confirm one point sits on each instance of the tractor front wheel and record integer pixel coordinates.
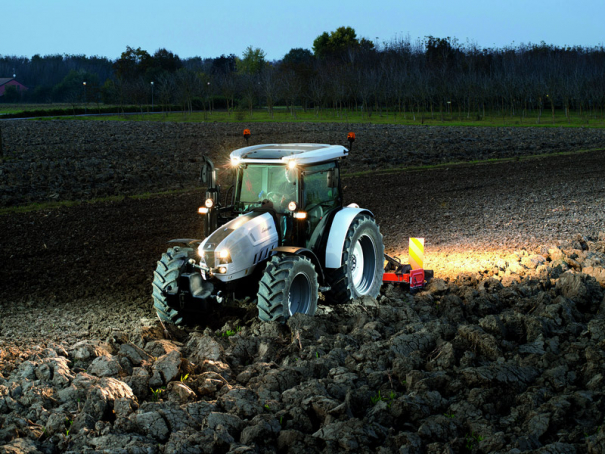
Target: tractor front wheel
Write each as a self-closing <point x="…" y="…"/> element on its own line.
<point x="289" y="285"/>
<point x="166" y="282"/>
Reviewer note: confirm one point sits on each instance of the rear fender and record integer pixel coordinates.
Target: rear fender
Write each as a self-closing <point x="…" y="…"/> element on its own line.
<point x="338" y="233"/>
<point x="295" y="250"/>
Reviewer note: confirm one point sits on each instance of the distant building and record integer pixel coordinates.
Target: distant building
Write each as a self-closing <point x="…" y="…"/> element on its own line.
<point x="9" y="81"/>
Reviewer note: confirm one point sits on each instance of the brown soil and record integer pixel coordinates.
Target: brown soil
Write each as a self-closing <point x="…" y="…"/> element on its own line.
<point x="84" y="273"/>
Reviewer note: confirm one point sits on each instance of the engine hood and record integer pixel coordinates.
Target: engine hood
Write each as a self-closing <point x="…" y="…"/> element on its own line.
<point x="248" y="239"/>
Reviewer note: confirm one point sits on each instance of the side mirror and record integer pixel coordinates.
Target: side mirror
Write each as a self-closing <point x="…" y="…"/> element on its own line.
<point x="207" y="173"/>
<point x="204" y="177"/>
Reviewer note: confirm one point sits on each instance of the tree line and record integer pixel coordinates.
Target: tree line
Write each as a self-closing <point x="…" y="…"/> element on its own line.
<point x="430" y="76"/>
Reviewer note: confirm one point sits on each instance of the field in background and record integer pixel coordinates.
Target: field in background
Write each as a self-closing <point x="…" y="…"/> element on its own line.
<point x="286" y="114"/>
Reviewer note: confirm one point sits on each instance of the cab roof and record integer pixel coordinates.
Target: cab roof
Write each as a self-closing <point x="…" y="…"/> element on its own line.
<point x="302" y="153"/>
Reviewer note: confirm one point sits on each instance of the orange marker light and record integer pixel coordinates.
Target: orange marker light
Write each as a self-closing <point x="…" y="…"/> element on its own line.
<point x="246" y="133"/>
<point x="351" y="137"/>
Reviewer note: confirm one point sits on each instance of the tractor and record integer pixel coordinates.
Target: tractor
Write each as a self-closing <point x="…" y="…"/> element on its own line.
<point x="282" y="233"/>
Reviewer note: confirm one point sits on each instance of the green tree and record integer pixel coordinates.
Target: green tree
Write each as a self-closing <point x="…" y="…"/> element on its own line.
<point x="109" y="92"/>
<point x="163" y="61"/>
<point x="441" y="51"/>
<point x="11" y="94"/>
<point x="252" y="61"/>
<point x="166" y="60"/>
<point x="132" y="63"/>
<point x="339" y="41"/>
<point x="225" y="64"/>
<point x="72" y="88"/>
<point x="298" y="57"/>
<point x="298" y="64"/>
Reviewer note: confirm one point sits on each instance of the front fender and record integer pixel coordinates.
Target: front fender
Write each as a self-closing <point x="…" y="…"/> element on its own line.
<point x="189" y="242"/>
<point x="296" y="250"/>
<point x="338" y="233"/>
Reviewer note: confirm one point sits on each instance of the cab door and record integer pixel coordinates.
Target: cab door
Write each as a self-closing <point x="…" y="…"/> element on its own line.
<point x="320" y="194"/>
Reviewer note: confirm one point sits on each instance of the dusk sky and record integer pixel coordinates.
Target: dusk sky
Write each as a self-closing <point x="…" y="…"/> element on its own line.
<point x="211" y="28"/>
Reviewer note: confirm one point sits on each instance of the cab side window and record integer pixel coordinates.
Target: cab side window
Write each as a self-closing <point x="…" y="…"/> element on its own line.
<point x="319" y="196"/>
<point x="317" y="188"/>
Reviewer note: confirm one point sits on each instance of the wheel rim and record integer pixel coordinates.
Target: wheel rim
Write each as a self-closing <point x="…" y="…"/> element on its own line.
<point x="299" y="296"/>
<point x="363" y="264"/>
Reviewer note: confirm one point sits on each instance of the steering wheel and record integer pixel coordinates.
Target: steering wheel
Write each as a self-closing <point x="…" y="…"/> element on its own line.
<point x="274" y="197"/>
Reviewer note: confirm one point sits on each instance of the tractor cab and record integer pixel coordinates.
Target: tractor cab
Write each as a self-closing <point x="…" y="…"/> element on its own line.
<point x="299" y="184"/>
<point x="299" y="194"/>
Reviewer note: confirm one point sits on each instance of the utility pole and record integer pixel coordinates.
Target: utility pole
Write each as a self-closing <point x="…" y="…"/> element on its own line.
<point x="85" y="100"/>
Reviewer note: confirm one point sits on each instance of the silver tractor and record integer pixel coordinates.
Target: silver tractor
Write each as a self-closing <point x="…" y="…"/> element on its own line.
<point x="284" y="234"/>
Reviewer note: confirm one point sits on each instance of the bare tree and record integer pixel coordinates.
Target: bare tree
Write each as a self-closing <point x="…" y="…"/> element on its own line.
<point x="290" y="89"/>
<point x="269" y="87"/>
<point x="186" y="81"/>
<point x="228" y="87"/>
<point x="317" y="91"/>
<point x="166" y="89"/>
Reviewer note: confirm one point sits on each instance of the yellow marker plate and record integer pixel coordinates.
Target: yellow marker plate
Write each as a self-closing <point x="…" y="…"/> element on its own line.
<point x="417" y="253"/>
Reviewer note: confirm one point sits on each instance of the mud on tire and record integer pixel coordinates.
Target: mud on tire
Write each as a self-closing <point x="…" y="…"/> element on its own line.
<point x="362" y="263"/>
<point x="289" y="285"/>
<point x="165" y="281"/>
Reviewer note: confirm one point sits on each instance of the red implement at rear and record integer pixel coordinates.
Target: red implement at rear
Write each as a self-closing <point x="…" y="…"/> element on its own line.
<point x="396" y="272"/>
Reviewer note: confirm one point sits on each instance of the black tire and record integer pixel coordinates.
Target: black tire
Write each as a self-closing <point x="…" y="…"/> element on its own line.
<point x="166" y="280"/>
<point x="289" y="285"/>
<point x="362" y="263"/>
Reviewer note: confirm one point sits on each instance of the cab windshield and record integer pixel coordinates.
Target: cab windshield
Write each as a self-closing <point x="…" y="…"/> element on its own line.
<point x="274" y="186"/>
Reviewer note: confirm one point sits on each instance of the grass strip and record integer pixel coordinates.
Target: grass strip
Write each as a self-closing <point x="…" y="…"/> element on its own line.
<point x="53" y="205"/>
<point x="425" y="168"/>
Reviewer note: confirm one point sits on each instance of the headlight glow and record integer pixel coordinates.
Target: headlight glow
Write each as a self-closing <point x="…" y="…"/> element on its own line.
<point x="209" y="203"/>
<point x="234" y="161"/>
<point x="292" y="206"/>
<point x="202" y="210"/>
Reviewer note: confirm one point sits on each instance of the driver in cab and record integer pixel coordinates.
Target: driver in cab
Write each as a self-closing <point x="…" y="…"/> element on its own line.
<point x="283" y="192"/>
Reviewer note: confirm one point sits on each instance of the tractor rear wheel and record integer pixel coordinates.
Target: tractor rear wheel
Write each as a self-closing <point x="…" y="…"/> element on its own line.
<point x="289" y="285"/>
<point x="362" y="263"/>
<point x="166" y="282"/>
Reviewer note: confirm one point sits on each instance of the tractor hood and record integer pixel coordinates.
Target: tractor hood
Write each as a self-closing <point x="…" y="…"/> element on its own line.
<point x="233" y="251"/>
